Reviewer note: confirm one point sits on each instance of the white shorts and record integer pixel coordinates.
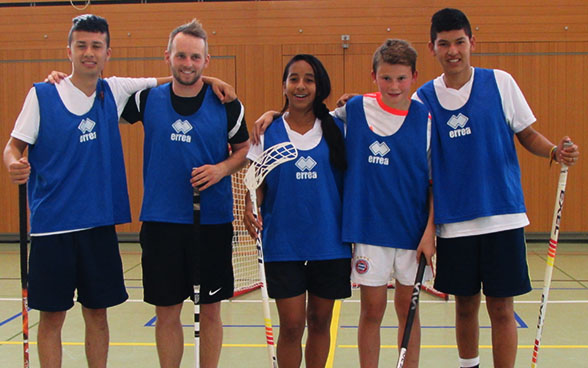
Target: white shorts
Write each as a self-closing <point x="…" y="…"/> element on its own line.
<point x="373" y="265"/>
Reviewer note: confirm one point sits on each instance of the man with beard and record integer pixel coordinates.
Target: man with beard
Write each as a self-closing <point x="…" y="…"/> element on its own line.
<point x="187" y="134"/>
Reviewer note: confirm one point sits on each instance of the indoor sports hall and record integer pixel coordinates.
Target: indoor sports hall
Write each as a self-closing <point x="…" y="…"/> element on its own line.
<point x="543" y="44"/>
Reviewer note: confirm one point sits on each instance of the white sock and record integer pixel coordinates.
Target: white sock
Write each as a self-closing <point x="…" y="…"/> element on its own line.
<point x="467" y="363"/>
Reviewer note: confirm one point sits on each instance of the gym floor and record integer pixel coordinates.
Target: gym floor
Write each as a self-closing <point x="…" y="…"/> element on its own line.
<point x="564" y="343"/>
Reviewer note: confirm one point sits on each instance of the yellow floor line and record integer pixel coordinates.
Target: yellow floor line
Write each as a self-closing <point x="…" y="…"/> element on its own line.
<point x="334" y="330"/>
<point x="331" y="350"/>
<point x="481" y="346"/>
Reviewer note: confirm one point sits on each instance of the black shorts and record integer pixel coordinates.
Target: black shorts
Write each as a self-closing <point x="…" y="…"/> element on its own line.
<point x="497" y="261"/>
<point x="174" y="258"/>
<point x="329" y="279"/>
<point x="87" y="261"/>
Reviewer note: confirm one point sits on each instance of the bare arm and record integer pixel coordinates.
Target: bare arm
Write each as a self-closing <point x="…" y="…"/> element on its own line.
<point x="537" y="144"/>
<point x="224" y="91"/>
<point x="17" y="165"/>
<point x="251" y="223"/>
<point x="207" y="175"/>
<point x="344" y="98"/>
<point x="163" y="80"/>
<point x="261" y="125"/>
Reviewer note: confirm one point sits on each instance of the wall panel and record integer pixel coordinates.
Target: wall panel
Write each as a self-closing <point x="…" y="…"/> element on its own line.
<point x="543" y="44"/>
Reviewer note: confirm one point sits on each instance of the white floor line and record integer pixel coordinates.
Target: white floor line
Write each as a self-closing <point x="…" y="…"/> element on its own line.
<point x="357" y="301"/>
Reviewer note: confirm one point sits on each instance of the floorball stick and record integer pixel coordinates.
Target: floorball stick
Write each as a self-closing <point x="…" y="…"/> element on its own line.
<point x="255" y="175"/>
<point x="196" y="202"/>
<point x="559" y="199"/>
<point x="414" y="302"/>
<point x="22" y="209"/>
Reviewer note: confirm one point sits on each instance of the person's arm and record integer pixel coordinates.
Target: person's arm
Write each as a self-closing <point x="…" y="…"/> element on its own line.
<point x="519" y="116"/>
<point x="537" y="144"/>
<point x="224" y="91"/>
<point x="427" y="243"/>
<point x="252" y="224"/>
<point x="205" y="176"/>
<point x="261" y="125"/>
<point x="18" y="166"/>
<point x="344" y="98"/>
<point x="135" y="107"/>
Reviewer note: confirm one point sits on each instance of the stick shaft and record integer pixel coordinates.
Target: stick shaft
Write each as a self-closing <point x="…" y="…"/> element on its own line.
<point x="269" y="332"/>
<point x="23" y="221"/>
<point x="414" y="301"/>
<point x="196" y="326"/>
<point x="196" y="207"/>
<point x="559" y="199"/>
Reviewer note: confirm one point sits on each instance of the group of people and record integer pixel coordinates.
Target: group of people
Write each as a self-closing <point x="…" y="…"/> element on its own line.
<point x="77" y="191"/>
<point x="441" y="164"/>
<point x="383" y="172"/>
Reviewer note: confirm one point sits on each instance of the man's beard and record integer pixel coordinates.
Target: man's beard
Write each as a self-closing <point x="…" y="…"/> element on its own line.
<point x="177" y="76"/>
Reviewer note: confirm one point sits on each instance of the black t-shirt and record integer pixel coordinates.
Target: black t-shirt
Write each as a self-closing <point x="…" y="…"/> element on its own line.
<point x="188" y="106"/>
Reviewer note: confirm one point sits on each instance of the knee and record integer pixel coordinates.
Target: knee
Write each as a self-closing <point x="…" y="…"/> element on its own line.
<point x="168" y="315"/>
<point x="95" y="316"/>
<point x="54" y="320"/>
<point x="501" y="311"/>
<point x="291" y="332"/>
<point x="210" y="314"/>
<point x="467" y="307"/>
<point x="465" y="313"/>
<point x="372" y="314"/>
<point x="318" y="324"/>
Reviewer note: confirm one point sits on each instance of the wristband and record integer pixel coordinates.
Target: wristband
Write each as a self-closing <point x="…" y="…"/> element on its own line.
<point x="552" y="155"/>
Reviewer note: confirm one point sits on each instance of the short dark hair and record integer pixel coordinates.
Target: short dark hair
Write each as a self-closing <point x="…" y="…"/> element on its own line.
<point x="449" y="19"/>
<point x="395" y="52"/>
<point x="89" y="23"/>
<point x="194" y="29"/>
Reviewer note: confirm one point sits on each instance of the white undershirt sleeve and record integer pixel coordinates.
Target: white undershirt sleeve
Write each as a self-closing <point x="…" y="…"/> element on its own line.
<point x="255" y="150"/>
<point x="123" y="88"/>
<point x="517" y="112"/>
<point x="27" y="123"/>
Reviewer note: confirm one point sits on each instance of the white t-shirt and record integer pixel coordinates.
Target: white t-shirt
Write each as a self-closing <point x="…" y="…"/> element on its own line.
<point x="383" y="120"/>
<point x="518" y="115"/>
<point x="27" y="124"/>
<point x="26" y="127"/>
<point x="305" y="142"/>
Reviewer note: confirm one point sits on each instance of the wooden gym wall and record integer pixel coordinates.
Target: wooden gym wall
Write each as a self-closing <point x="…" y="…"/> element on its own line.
<point x="542" y="43"/>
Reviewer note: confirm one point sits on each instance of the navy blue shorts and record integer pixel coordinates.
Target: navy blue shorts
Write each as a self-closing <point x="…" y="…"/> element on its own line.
<point x="496" y="261"/>
<point x="174" y="258"/>
<point x="329" y="279"/>
<point x="87" y="261"/>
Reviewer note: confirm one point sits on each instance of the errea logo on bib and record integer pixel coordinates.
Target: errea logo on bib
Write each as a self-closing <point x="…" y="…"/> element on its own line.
<point x="458" y="123"/>
<point x="379" y="150"/>
<point x="181" y="127"/>
<point x="86" y="126"/>
<point x="306" y="164"/>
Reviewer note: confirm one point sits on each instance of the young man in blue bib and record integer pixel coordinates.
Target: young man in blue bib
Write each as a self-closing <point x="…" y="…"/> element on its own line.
<point x="188" y="132"/>
<point x="77" y="191"/>
<point x="478" y="199"/>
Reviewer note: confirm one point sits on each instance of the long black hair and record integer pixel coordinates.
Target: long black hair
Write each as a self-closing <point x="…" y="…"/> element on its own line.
<point x="331" y="132"/>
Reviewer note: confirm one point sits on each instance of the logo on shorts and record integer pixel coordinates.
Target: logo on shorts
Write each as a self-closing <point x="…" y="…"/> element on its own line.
<point x="361" y="266"/>
<point x="211" y="293"/>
